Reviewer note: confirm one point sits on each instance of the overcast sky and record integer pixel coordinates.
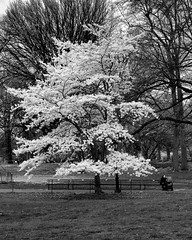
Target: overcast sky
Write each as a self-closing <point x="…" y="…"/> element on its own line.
<point x="3" y="5"/>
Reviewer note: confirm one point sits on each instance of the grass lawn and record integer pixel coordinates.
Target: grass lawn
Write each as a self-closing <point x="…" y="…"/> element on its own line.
<point x="140" y="215"/>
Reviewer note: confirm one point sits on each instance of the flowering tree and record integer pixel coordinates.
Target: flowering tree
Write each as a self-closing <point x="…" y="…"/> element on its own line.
<point x="84" y="97"/>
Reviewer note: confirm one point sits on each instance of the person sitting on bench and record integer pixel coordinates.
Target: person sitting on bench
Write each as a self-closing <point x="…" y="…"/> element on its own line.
<point x="166" y="183"/>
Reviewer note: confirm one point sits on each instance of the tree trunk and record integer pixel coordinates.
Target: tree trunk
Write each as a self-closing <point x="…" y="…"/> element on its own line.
<point x="8" y="140"/>
<point x="117" y="185"/>
<point x="182" y="129"/>
<point x="176" y="131"/>
<point x="98" y="189"/>
<point x="168" y="153"/>
<point x="158" y="153"/>
<point x="184" y="165"/>
<point x="8" y="134"/>
<point x="176" y="148"/>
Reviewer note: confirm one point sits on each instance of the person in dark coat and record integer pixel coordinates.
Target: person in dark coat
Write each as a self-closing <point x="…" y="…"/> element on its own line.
<point x="166" y="183"/>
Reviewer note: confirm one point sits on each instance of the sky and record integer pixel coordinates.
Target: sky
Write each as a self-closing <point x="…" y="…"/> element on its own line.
<point x="3" y="5"/>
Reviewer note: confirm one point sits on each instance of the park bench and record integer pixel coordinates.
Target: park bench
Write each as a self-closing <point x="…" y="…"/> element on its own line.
<point x="140" y="184"/>
<point x="106" y="184"/>
<point x="70" y="184"/>
<point x="6" y="177"/>
<point x="79" y="184"/>
<point x="147" y="183"/>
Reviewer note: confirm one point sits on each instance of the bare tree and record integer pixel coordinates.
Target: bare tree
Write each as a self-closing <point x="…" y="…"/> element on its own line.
<point x="166" y="49"/>
<point x="35" y="23"/>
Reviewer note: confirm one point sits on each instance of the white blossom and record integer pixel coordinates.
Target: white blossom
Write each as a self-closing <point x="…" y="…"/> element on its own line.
<point x="83" y="90"/>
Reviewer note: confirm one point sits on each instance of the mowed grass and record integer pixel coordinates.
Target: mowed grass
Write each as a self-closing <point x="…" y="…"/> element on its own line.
<point x="86" y="216"/>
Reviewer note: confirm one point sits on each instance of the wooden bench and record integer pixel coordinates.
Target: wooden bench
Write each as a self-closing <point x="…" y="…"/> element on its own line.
<point x="147" y="183"/>
<point x="70" y="184"/>
<point x="79" y="184"/>
<point x="106" y="184"/>
<point x="139" y="184"/>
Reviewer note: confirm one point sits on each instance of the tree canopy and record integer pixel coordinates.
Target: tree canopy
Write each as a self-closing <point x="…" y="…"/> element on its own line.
<point x="85" y="91"/>
<point x="90" y="73"/>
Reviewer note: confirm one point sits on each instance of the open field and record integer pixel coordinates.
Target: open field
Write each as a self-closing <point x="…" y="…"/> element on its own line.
<point x="138" y="216"/>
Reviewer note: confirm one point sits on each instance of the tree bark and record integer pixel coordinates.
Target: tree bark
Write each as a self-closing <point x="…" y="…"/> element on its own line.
<point x="184" y="165"/>
<point x="176" y="148"/>
<point x="168" y="153"/>
<point x="179" y="132"/>
<point x="8" y="139"/>
<point x="8" y="134"/>
<point x="182" y="129"/>
<point x="176" y="130"/>
<point x="117" y="184"/>
<point x="158" y="153"/>
<point x="98" y="189"/>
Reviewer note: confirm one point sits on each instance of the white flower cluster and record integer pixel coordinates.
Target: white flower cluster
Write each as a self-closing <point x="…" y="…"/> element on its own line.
<point x="110" y="133"/>
<point x="137" y="110"/>
<point x="84" y="166"/>
<point x="117" y="162"/>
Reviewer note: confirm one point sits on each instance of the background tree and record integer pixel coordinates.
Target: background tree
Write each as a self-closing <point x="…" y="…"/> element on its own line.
<point x="6" y="124"/>
<point x="165" y="59"/>
<point x="28" y="29"/>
